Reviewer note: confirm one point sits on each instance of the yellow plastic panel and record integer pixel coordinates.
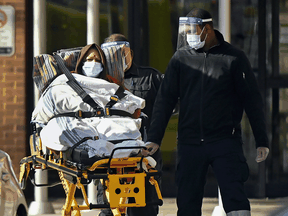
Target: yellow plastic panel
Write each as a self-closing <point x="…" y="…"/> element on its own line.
<point x="118" y="191"/>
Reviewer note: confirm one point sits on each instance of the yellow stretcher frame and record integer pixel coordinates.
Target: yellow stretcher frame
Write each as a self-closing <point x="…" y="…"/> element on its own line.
<point x="119" y="184"/>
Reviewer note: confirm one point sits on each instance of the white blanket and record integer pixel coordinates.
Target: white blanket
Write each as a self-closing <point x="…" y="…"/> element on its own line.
<point x="62" y="132"/>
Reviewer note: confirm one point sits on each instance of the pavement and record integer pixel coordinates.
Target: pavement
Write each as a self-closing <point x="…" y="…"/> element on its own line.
<point x="259" y="207"/>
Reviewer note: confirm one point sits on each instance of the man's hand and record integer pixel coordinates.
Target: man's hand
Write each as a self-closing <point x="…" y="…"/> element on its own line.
<point x="262" y="153"/>
<point x="151" y="148"/>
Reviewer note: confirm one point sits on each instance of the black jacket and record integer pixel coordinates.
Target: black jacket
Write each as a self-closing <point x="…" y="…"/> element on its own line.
<point x="214" y="89"/>
<point x="144" y="82"/>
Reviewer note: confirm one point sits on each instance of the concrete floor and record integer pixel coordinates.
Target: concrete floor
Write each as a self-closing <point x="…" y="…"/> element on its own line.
<point x="259" y="207"/>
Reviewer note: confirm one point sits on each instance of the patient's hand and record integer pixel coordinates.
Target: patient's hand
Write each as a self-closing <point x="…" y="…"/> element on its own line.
<point x="136" y="114"/>
<point x="151" y="148"/>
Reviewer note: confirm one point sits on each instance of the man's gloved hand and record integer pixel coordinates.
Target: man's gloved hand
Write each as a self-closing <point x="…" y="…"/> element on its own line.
<point x="262" y="153"/>
<point x="151" y="148"/>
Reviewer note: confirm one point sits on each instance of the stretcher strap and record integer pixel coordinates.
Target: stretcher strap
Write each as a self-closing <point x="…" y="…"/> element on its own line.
<point x="81" y="141"/>
<point x="119" y="141"/>
<point x="79" y="114"/>
<point x="119" y="94"/>
<point x="120" y="113"/>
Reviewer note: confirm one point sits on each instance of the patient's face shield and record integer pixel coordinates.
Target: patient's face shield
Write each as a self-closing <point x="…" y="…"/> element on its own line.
<point x="191" y="27"/>
<point x="118" y="56"/>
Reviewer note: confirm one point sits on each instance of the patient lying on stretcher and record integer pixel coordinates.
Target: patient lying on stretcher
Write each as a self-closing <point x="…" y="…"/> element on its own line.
<point x="66" y="119"/>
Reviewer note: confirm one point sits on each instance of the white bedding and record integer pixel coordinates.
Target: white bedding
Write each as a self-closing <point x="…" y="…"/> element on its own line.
<point x="63" y="132"/>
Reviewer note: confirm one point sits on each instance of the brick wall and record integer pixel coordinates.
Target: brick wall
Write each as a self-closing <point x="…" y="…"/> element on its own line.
<point x="13" y="91"/>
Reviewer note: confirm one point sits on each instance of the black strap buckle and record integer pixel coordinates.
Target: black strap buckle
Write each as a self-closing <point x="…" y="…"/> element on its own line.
<point x="98" y="113"/>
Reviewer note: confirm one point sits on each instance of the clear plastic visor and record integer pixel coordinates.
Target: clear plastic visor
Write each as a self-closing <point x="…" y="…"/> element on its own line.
<point x="117" y="54"/>
<point x="187" y="29"/>
<point x="188" y="26"/>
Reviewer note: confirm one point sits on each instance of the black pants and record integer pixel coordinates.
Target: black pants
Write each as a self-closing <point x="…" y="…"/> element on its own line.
<point x="151" y="195"/>
<point x="229" y="165"/>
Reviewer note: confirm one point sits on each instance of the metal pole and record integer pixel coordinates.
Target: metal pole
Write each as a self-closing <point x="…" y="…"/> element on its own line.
<point x="125" y="14"/>
<point x="134" y="29"/>
<point x="225" y="29"/>
<point x="109" y="18"/>
<point x="261" y="193"/>
<point x="93" y="22"/>
<point x="41" y="204"/>
<point x="275" y="51"/>
<point x="93" y="32"/>
<point x="225" y="19"/>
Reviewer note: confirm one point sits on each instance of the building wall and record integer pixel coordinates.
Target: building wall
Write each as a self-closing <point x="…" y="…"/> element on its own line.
<point x="13" y="91"/>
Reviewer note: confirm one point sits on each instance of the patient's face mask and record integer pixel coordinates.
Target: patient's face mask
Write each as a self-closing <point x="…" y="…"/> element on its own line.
<point x="92" y="69"/>
<point x="92" y="65"/>
<point x="194" y="40"/>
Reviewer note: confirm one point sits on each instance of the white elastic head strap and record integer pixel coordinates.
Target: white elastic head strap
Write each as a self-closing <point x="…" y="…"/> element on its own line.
<point x="207" y="20"/>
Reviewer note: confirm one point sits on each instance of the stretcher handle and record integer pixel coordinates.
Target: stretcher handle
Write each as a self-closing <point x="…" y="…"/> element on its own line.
<point x="126" y="147"/>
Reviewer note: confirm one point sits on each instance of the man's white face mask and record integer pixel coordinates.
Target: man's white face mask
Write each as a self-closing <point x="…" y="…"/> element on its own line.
<point x="92" y="69"/>
<point x="194" y="40"/>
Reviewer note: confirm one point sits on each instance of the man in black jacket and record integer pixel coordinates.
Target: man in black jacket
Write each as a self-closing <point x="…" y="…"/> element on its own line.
<point x="215" y="84"/>
<point x="143" y="82"/>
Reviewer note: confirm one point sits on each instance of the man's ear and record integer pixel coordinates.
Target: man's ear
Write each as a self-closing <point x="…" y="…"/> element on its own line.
<point x="209" y="27"/>
<point x="132" y="54"/>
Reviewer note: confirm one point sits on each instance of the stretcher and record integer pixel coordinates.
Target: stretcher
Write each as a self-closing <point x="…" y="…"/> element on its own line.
<point x="122" y="178"/>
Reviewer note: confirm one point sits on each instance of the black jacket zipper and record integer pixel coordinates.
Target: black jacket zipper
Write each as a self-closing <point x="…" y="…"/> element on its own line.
<point x="201" y="101"/>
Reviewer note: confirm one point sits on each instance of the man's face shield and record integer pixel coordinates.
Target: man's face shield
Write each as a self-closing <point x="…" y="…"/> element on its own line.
<point x="189" y="31"/>
<point x="118" y="58"/>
